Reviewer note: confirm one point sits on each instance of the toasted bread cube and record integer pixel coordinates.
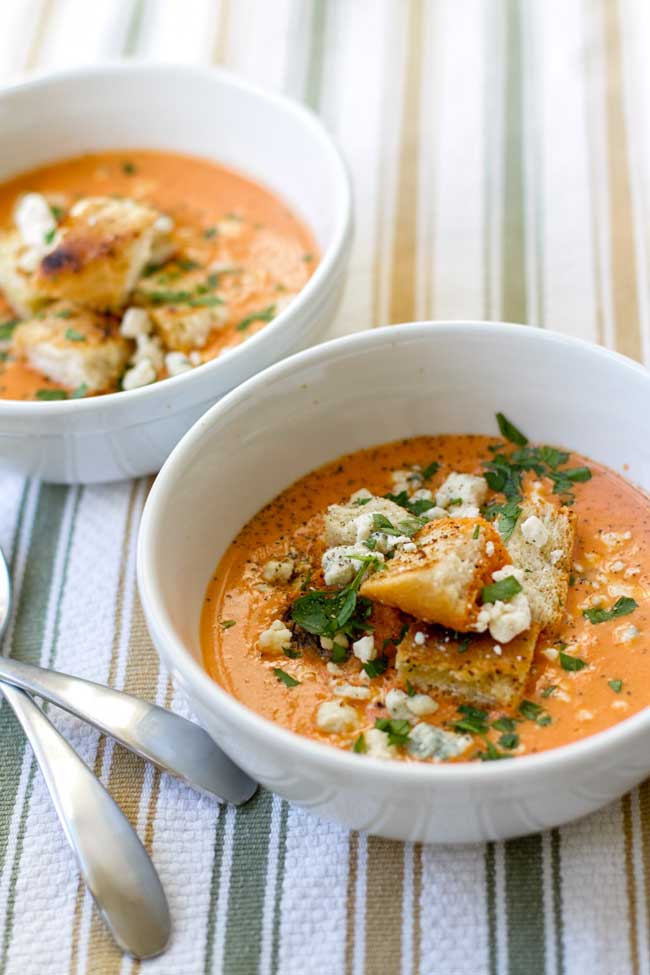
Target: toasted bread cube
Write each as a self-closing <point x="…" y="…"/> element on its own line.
<point x="73" y="346"/>
<point x="183" y="305"/>
<point x="346" y="524"/>
<point x="473" y="669"/>
<point x="441" y="582"/>
<point x="542" y="546"/>
<point x="103" y="246"/>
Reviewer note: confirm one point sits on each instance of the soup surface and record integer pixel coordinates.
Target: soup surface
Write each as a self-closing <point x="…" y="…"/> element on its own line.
<point x="262" y="639"/>
<point x="118" y="269"/>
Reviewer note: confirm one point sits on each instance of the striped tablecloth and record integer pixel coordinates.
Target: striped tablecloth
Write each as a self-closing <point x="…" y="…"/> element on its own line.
<point x="500" y="152"/>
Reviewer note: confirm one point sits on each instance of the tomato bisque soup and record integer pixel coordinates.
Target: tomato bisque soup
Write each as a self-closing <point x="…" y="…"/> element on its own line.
<point x="120" y="269"/>
<point x="447" y="598"/>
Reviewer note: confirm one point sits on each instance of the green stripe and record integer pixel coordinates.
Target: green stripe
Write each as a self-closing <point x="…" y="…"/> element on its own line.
<point x="279" y="884"/>
<point x="247" y="885"/>
<point x="134" y="30"/>
<point x="525" y="906"/>
<point x="556" y="882"/>
<point x="59" y="509"/>
<point x="513" y="271"/>
<point x="491" y="908"/>
<point x="28" y="632"/>
<point x="314" y="81"/>
<point x="214" y="890"/>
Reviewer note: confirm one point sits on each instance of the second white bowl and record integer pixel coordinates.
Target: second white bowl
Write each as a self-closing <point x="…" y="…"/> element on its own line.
<point x="197" y="111"/>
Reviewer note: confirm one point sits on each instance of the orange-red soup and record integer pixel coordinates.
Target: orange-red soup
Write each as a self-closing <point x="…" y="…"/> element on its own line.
<point x="274" y="251"/>
<point x="611" y="557"/>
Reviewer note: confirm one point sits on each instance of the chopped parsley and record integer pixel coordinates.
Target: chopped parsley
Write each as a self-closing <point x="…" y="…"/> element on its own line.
<point x="360" y="746"/>
<point x="572" y="664"/>
<point x="226" y="624"/>
<point x="410" y="690"/>
<point x="338" y="654"/>
<point x="464" y="644"/>
<point x="397" y="729"/>
<point x="510" y="431"/>
<point x="7" y="329"/>
<point x="49" y="236"/>
<point x="473" y="720"/>
<point x="508" y="513"/>
<point x="210" y="232"/>
<point x="324" y="612"/>
<point x="417" y="506"/>
<point x="549" y="691"/>
<point x="285" y="678"/>
<point x="476" y="532"/>
<point x="623" y="606"/>
<point x="291" y="654"/>
<point x="73" y="335"/>
<point x="128" y="168"/>
<point x="492" y="753"/>
<point x="57" y="212"/>
<point x="79" y="392"/>
<point x="504" y="724"/>
<point x="264" y="315"/>
<point x="51" y="394"/>
<point x="616" y="685"/>
<point x="63" y="313"/>
<point x="509" y="740"/>
<point x="430" y="470"/>
<point x="503" y="590"/>
<point x="376" y="667"/>
<point x="308" y="258"/>
<point x="534" y="712"/>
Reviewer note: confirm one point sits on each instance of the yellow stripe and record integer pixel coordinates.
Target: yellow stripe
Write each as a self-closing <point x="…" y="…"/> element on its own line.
<point x="403" y="263"/>
<point x="626" y="804"/>
<point x="623" y="255"/>
<point x="384" y="902"/>
<point x="353" y="863"/>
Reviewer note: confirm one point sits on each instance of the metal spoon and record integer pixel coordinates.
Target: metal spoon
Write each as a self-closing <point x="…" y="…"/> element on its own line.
<point x="114" y="864"/>
<point x="172" y="743"/>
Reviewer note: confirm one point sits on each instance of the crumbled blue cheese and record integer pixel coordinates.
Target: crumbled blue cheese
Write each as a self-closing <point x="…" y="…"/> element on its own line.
<point x="342" y="562"/>
<point x="468" y="489"/>
<point x="176" y="363"/>
<point x="135" y="323"/>
<point x="505" y="620"/>
<point x="278" y="570"/>
<point x="352" y="691"/>
<point x="377" y="744"/>
<point x="427" y="741"/>
<point x="364" y="649"/>
<point x="335" y="717"/>
<point x="274" y="640"/>
<point x="535" y="531"/>
<point x="421" y="704"/>
<point x="139" y="375"/>
<point x="34" y="220"/>
<point x="396" y="703"/>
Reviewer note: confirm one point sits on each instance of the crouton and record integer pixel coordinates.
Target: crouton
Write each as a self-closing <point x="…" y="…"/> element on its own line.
<point x="73" y="346"/>
<point x="542" y="546"/>
<point x="473" y="669"/>
<point x="183" y="305"/>
<point x="442" y="580"/>
<point x="345" y="524"/>
<point x="102" y="247"/>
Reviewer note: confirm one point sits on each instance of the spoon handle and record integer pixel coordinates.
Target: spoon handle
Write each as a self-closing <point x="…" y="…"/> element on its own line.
<point x="160" y="736"/>
<point x="113" y="862"/>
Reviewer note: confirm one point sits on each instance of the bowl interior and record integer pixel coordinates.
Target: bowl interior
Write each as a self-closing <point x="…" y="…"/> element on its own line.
<point x="194" y="111"/>
<point x="401" y="381"/>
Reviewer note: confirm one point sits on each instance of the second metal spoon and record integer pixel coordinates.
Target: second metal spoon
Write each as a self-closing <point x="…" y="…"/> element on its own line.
<point x="172" y="743"/>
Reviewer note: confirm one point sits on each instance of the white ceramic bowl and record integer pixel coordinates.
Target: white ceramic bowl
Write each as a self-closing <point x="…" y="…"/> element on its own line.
<point x="198" y="111"/>
<point x="366" y="389"/>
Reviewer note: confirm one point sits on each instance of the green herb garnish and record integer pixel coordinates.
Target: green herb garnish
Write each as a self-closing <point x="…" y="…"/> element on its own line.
<point x="510" y="431"/>
<point x="49" y="236"/>
<point x="549" y="691"/>
<point x="398" y="729"/>
<point x="285" y="678"/>
<point x="410" y="690"/>
<point x="616" y="685"/>
<point x="291" y="654"/>
<point x="504" y="590"/>
<point x="476" y="532"/>
<point x="504" y="724"/>
<point x="430" y="470"/>
<point x="623" y="606"/>
<point x="226" y="624"/>
<point x="79" y="392"/>
<point x="7" y="329"/>
<point x="570" y="663"/>
<point x="264" y="315"/>
<point x="73" y="335"/>
<point x="416" y="507"/>
<point x="324" y="612"/>
<point x="360" y="746"/>
<point x="509" y="740"/>
<point x="128" y="168"/>
<point x="51" y="394"/>
<point x="376" y="667"/>
<point x="63" y="313"/>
